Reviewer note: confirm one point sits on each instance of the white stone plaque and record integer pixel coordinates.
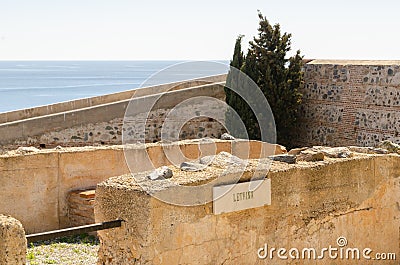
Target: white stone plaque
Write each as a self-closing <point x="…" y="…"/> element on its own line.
<point x="240" y="196"/>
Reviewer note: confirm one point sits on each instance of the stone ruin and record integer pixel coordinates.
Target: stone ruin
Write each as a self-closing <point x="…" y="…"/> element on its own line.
<point x="318" y="196"/>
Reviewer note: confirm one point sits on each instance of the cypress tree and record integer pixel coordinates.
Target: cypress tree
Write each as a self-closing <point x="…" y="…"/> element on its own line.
<point x="236" y="62"/>
<point x="249" y="68"/>
<point x="238" y="57"/>
<point x="278" y="77"/>
<point x="232" y="99"/>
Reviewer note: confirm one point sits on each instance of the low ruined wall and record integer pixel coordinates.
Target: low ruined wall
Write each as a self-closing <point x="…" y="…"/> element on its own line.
<point x="347" y="203"/>
<point x="12" y="241"/>
<point x="350" y="103"/>
<point x="35" y="185"/>
<point x="103" y="123"/>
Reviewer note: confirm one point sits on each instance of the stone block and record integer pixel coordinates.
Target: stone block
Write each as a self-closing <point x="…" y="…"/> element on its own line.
<point x="12" y="241"/>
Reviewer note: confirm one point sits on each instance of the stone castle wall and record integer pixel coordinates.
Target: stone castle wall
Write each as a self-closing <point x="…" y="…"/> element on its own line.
<point x="143" y="127"/>
<point x="345" y="103"/>
<point x="104" y="99"/>
<point x="350" y="103"/>
<point x="104" y="123"/>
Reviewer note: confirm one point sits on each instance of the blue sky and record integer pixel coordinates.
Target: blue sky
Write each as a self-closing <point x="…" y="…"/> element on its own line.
<point x="192" y="30"/>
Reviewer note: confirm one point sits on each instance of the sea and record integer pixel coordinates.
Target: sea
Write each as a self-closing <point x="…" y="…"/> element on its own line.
<point x="26" y="84"/>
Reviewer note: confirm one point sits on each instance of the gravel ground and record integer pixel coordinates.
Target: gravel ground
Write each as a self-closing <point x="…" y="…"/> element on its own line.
<point x="72" y="250"/>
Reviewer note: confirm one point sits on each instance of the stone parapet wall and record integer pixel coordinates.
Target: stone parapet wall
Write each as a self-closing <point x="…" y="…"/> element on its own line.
<point x="147" y="127"/>
<point x="350" y="103"/>
<point x="103" y="124"/>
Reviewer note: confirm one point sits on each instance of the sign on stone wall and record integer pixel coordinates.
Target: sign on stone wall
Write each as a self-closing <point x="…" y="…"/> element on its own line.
<point x="236" y="197"/>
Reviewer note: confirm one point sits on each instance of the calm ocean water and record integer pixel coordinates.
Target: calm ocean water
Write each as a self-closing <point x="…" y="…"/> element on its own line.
<point x="35" y="83"/>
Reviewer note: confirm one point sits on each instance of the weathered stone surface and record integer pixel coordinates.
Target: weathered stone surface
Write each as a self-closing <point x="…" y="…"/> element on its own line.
<point x="12" y="241"/>
<point x="163" y="172"/>
<point x="333" y="152"/>
<point x="337" y="152"/>
<point x="350" y="103"/>
<point x="317" y="153"/>
<point x="367" y="150"/>
<point x="390" y="146"/>
<point x="290" y="159"/>
<point x="313" y="204"/>
<point x="26" y="150"/>
<point x="280" y="149"/>
<point x="192" y="166"/>
<point x="223" y="159"/>
<point x="296" y="151"/>
<point x="227" y="136"/>
<point x="310" y="156"/>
